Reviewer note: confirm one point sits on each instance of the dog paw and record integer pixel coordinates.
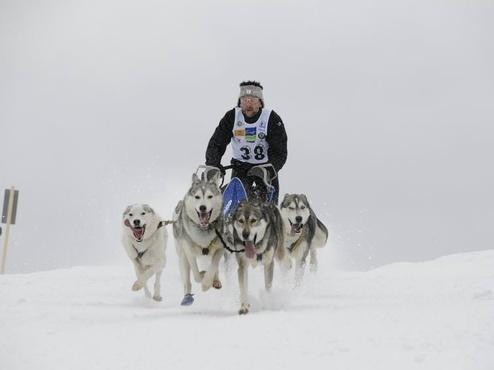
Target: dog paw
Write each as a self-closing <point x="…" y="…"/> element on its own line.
<point x="199" y="278"/>
<point x="287" y="264"/>
<point x="137" y="286"/>
<point x="157" y="298"/>
<point x="187" y="300"/>
<point x="313" y="267"/>
<point x="206" y="284"/>
<point x="244" y="309"/>
<point x="217" y="284"/>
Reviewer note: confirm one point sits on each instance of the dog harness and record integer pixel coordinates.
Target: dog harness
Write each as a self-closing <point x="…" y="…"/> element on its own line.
<point x="297" y="242"/>
<point x="258" y="256"/>
<point x="140" y="254"/>
<point x="249" y="139"/>
<point x="225" y="245"/>
<point x="205" y="251"/>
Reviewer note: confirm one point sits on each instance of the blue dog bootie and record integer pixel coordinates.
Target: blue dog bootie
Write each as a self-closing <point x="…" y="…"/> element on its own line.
<point x="187" y="300"/>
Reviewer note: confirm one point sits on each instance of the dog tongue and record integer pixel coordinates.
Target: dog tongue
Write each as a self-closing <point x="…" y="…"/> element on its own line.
<point x="296" y="228"/>
<point x="250" y="249"/>
<point x="204" y="218"/>
<point x="138" y="232"/>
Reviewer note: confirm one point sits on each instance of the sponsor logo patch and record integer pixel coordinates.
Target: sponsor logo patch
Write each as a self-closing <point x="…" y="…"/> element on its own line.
<point x="239" y="132"/>
<point x="250" y="134"/>
<point x="261" y="135"/>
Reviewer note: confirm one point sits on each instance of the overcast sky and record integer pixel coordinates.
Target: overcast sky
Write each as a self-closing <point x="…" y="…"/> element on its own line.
<point x="388" y="106"/>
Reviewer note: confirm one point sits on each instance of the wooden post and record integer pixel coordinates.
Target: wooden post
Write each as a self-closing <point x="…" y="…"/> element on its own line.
<point x="7" y="229"/>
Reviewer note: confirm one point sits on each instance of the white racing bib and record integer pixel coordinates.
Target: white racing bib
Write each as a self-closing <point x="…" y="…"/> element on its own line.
<point x="249" y="139"/>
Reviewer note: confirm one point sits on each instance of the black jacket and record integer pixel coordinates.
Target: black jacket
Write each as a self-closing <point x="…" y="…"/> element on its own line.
<point x="276" y="138"/>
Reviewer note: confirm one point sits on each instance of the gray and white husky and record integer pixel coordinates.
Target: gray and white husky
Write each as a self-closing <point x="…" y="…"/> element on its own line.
<point x="304" y="232"/>
<point x="255" y="229"/>
<point x="144" y="238"/>
<point x="197" y="218"/>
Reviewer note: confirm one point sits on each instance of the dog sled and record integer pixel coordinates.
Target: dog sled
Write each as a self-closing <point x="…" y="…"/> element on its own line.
<point x="234" y="192"/>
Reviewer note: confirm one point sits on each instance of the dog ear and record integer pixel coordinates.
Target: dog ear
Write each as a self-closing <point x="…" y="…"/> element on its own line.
<point x="305" y="200"/>
<point x="147" y="208"/>
<point x="215" y="177"/>
<point x="267" y="208"/>
<point x="240" y="206"/>
<point x="283" y="204"/>
<point x="195" y="178"/>
<point x="127" y="210"/>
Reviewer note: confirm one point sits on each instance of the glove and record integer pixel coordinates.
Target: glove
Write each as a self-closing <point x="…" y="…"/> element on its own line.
<point x="241" y="167"/>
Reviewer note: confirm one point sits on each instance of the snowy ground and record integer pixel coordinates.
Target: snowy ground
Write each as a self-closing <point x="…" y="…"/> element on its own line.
<point x="432" y="315"/>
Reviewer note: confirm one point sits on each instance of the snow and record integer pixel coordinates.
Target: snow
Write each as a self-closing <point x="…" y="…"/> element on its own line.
<point x="431" y="315"/>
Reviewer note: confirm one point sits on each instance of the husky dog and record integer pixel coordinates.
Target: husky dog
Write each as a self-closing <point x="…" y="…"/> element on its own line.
<point x="256" y="230"/>
<point x="144" y="238"/>
<point x="304" y="232"/>
<point x="198" y="220"/>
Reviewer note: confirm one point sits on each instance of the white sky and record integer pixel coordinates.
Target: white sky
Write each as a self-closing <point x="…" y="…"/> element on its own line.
<point x="388" y="107"/>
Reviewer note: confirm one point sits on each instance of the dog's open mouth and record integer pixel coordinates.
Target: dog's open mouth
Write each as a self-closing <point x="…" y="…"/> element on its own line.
<point x="204" y="218"/>
<point x="138" y="232"/>
<point x="250" y="249"/>
<point x="296" y="228"/>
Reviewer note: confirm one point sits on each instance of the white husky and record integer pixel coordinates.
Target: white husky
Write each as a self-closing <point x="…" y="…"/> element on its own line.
<point x="144" y="238"/>
<point x="304" y="232"/>
<point x="198" y="220"/>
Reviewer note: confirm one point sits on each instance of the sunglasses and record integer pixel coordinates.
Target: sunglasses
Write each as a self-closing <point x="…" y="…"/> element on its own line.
<point x="251" y="99"/>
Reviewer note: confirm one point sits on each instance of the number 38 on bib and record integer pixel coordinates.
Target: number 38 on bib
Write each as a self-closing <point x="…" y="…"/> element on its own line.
<point x="249" y="139"/>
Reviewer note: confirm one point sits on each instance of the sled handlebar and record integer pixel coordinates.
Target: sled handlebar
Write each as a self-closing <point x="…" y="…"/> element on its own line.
<point x="266" y="172"/>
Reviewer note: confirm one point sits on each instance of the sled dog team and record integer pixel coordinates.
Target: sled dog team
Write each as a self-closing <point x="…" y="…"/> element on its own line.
<point x="256" y="233"/>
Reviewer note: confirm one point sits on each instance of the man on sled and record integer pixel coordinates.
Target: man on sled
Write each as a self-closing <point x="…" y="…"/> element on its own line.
<point x="257" y="136"/>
